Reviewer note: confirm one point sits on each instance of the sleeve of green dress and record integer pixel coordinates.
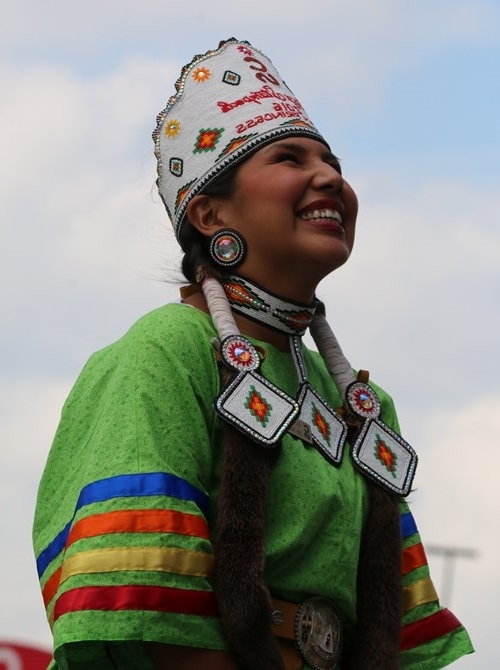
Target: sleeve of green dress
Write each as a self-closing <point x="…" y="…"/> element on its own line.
<point x="121" y="529"/>
<point x="431" y="636"/>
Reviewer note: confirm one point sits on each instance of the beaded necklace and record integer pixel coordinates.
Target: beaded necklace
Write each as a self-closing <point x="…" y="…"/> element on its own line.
<point x="247" y="462"/>
<point x="261" y="410"/>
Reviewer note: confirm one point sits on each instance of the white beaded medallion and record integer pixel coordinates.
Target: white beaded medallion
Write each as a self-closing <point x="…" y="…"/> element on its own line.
<point x="362" y="400"/>
<point x="239" y="353"/>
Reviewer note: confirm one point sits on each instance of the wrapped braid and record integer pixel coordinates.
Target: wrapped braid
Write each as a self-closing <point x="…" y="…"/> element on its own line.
<point x="240" y="528"/>
<point x="242" y="596"/>
<point x="376" y="642"/>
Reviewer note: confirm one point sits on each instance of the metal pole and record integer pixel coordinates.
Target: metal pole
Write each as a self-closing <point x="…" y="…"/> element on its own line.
<point x="450" y="554"/>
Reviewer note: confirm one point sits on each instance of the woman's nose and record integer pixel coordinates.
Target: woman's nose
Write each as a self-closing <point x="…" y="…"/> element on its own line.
<point x="326" y="176"/>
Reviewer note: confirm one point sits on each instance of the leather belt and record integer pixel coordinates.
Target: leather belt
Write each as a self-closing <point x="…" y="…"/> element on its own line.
<point x="310" y="632"/>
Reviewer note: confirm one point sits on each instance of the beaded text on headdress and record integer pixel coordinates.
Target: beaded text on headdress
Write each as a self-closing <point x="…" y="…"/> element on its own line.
<point x="229" y="103"/>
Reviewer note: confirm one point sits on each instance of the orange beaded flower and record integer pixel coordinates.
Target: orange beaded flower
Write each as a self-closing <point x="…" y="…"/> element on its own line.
<point x="172" y="128"/>
<point x="201" y="74"/>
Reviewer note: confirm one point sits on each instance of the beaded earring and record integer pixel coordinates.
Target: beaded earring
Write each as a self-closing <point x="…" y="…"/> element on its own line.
<point x="227" y="248"/>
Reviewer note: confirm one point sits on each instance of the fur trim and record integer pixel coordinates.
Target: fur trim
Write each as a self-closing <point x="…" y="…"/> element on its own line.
<point x="376" y="643"/>
<point x="206" y="270"/>
<point x="243" y="599"/>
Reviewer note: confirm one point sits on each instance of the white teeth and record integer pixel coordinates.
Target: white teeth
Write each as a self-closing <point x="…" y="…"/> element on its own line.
<point x="321" y="214"/>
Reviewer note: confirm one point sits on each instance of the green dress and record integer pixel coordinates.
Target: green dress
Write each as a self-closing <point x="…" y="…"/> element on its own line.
<point x="126" y="507"/>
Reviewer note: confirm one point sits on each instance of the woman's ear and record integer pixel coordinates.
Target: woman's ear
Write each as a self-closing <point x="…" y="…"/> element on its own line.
<point x="202" y="213"/>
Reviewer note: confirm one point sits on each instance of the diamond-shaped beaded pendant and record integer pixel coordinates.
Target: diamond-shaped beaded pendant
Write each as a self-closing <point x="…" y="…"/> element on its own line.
<point x="257" y="407"/>
<point x="328" y="430"/>
<point x="379" y="452"/>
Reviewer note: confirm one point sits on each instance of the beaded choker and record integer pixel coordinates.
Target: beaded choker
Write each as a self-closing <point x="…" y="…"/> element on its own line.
<point x="257" y="304"/>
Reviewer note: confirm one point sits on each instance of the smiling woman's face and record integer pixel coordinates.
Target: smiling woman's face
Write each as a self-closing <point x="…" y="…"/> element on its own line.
<point x="295" y="211"/>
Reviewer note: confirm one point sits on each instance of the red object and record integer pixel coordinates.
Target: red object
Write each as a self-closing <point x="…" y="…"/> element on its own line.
<point x="21" y="657"/>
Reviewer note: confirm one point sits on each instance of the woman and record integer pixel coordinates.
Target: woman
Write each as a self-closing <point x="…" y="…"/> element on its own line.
<point x="217" y="495"/>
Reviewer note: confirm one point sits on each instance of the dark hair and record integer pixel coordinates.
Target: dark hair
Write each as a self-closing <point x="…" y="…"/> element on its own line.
<point x="193" y="243"/>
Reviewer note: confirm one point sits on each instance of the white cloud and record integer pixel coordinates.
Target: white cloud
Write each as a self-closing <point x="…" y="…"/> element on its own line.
<point x="29" y="413"/>
<point x="456" y="504"/>
<point x="463" y="461"/>
<point x="84" y="229"/>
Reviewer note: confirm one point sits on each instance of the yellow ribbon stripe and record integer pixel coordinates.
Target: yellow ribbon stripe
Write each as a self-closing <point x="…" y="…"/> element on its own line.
<point x="155" y="559"/>
<point x="419" y="593"/>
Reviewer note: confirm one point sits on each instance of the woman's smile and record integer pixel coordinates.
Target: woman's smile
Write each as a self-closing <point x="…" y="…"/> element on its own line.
<point x="325" y="213"/>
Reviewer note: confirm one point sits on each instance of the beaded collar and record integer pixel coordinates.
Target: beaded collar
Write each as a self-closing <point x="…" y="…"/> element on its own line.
<point x="254" y="302"/>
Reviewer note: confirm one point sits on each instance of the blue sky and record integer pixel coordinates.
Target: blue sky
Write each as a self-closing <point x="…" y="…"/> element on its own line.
<point x="408" y="94"/>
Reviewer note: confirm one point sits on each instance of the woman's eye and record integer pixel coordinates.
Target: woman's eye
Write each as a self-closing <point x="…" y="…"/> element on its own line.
<point x="288" y="157"/>
<point x="336" y="166"/>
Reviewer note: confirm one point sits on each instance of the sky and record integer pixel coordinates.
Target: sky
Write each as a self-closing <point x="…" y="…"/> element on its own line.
<point x="407" y="93"/>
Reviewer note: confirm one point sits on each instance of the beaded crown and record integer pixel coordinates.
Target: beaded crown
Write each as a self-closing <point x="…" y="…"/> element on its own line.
<point x="228" y="103"/>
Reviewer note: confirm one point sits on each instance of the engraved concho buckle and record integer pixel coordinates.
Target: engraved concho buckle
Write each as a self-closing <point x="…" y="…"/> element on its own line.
<point x="318" y="633"/>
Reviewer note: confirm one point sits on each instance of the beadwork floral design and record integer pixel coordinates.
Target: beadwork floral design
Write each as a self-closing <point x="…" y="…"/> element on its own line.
<point x="182" y="193"/>
<point x="238" y="293"/>
<point x="172" y="128"/>
<point x="321" y="423"/>
<point x="297" y="122"/>
<point x="363" y="400"/>
<point x="239" y="353"/>
<point x="258" y="406"/>
<point x="201" y="74"/>
<point x="234" y="144"/>
<point x="386" y="455"/>
<point x="207" y="139"/>
<point x="297" y="321"/>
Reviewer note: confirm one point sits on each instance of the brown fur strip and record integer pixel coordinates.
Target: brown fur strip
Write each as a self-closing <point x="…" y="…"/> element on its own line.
<point x="204" y="271"/>
<point x="242" y="596"/>
<point x="376" y="644"/>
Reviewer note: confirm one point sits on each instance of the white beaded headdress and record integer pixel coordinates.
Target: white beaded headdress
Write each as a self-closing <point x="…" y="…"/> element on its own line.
<point x="229" y="103"/>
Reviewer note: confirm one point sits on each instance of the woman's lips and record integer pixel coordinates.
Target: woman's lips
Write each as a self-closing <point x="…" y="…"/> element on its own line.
<point x="323" y="210"/>
<point x="325" y="214"/>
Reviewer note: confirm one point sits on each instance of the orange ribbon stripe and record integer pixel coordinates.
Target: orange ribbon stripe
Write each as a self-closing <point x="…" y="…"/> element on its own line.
<point x="139" y="521"/>
<point x="412" y="558"/>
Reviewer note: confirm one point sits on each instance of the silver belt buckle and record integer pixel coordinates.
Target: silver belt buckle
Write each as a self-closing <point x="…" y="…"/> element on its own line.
<point x="318" y="633"/>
